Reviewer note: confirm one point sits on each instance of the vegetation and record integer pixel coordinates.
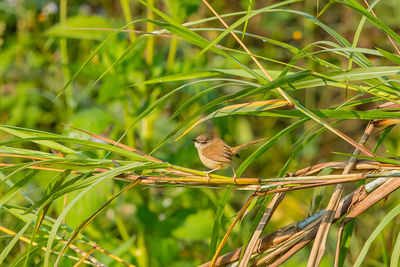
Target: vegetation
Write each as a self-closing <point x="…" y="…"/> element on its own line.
<point x="100" y="101"/>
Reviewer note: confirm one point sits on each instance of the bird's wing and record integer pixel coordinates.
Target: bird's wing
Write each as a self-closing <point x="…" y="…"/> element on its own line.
<point x="219" y="152"/>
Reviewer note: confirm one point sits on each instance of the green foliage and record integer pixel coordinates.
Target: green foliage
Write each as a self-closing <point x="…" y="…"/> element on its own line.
<point x="157" y="88"/>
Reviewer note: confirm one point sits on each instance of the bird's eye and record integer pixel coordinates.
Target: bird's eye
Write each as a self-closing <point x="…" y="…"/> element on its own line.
<point x="203" y="142"/>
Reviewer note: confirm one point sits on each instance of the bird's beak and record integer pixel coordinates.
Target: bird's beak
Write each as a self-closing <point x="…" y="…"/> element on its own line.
<point x="194" y="140"/>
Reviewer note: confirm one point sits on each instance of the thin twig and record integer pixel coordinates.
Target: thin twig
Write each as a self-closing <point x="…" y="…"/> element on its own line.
<point x="248" y="51"/>
<point x="285" y="234"/>
<point x="318" y="248"/>
<point x="91" y="261"/>
<point x="84" y="257"/>
<point x="225" y="238"/>
<point x="263" y="222"/>
<point x="390" y="38"/>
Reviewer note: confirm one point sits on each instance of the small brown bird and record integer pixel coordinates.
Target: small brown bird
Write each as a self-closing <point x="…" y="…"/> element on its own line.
<point x="215" y="154"/>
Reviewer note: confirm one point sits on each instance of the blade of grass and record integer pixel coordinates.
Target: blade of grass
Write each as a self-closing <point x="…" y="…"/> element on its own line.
<point x="392" y="57"/>
<point x="329" y="127"/>
<point x="87" y="143"/>
<point x="97" y="179"/>
<point x="92" y="55"/>
<point x="27" y="133"/>
<point x="377" y="22"/>
<point x="218" y="221"/>
<point x="225" y="238"/>
<point x="266" y="146"/>
<point x="13" y="241"/>
<point x="6" y="196"/>
<point x="42" y="214"/>
<point x="394" y="260"/>
<point x="283" y="93"/>
<point x="249" y="6"/>
<point x="383" y="223"/>
<point x="382" y="138"/>
<point x="85" y="223"/>
<point x="258" y="226"/>
<point x="345" y="244"/>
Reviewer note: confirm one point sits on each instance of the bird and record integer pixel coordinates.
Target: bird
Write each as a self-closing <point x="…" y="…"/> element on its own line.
<point x="215" y="154"/>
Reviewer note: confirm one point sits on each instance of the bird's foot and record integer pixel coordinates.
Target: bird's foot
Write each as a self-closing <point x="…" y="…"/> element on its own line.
<point x="208" y="177"/>
<point x="234" y="179"/>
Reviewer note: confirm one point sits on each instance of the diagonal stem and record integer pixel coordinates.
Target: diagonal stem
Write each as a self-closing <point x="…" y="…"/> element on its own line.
<point x="248" y="52"/>
<point x="225" y="238"/>
<point x="318" y="248"/>
<point x="263" y="222"/>
<point x="390" y="38"/>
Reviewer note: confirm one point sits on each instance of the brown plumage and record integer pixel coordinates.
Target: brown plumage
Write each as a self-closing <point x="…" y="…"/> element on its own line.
<point x="215" y="154"/>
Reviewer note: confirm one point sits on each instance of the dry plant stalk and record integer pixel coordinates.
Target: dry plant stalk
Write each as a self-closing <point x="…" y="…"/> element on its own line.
<point x="273" y="205"/>
<point x="387" y="35"/>
<point x="88" y="259"/>
<point x="283" y="242"/>
<point x="283" y="93"/>
<point x="318" y="248"/>
<point x="358" y="201"/>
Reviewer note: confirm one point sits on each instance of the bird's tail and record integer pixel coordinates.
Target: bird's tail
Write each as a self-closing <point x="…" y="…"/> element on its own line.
<point x="237" y="148"/>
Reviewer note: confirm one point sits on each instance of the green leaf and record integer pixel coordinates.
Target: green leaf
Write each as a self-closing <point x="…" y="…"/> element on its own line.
<point x="260" y="108"/>
<point x="17" y="186"/>
<point x="182" y="76"/>
<point x="87" y="143"/>
<point x="382" y="138"/>
<point x="383" y="223"/>
<point x="85" y="222"/>
<point x="28" y="133"/>
<point x="266" y="146"/>
<point x="90" y="183"/>
<point x="394" y="260"/>
<point x="28" y="153"/>
<point x="91" y="56"/>
<point x="358" y="74"/>
<point x="13" y="241"/>
<point x="392" y="57"/>
<point x="242" y="20"/>
<point x="345" y="245"/>
<point x="218" y="222"/>
<point x="378" y="23"/>
<point x="379" y="159"/>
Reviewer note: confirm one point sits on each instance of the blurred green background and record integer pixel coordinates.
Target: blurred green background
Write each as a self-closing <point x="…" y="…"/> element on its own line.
<point x="171" y="225"/>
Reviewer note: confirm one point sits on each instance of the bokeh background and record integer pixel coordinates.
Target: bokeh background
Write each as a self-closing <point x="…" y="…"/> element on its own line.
<point x="172" y="225"/>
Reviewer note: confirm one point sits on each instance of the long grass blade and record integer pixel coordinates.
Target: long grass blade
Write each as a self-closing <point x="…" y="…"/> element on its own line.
<point x="218" y="222"/>
<point x="383" y="223"/>
<point x="13" y="241"/>
<point x="80" y="228"/>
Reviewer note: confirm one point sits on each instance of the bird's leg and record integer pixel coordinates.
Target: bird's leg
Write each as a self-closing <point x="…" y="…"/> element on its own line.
<point x="208" y="174"/>
<point x="234" y="175"/>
